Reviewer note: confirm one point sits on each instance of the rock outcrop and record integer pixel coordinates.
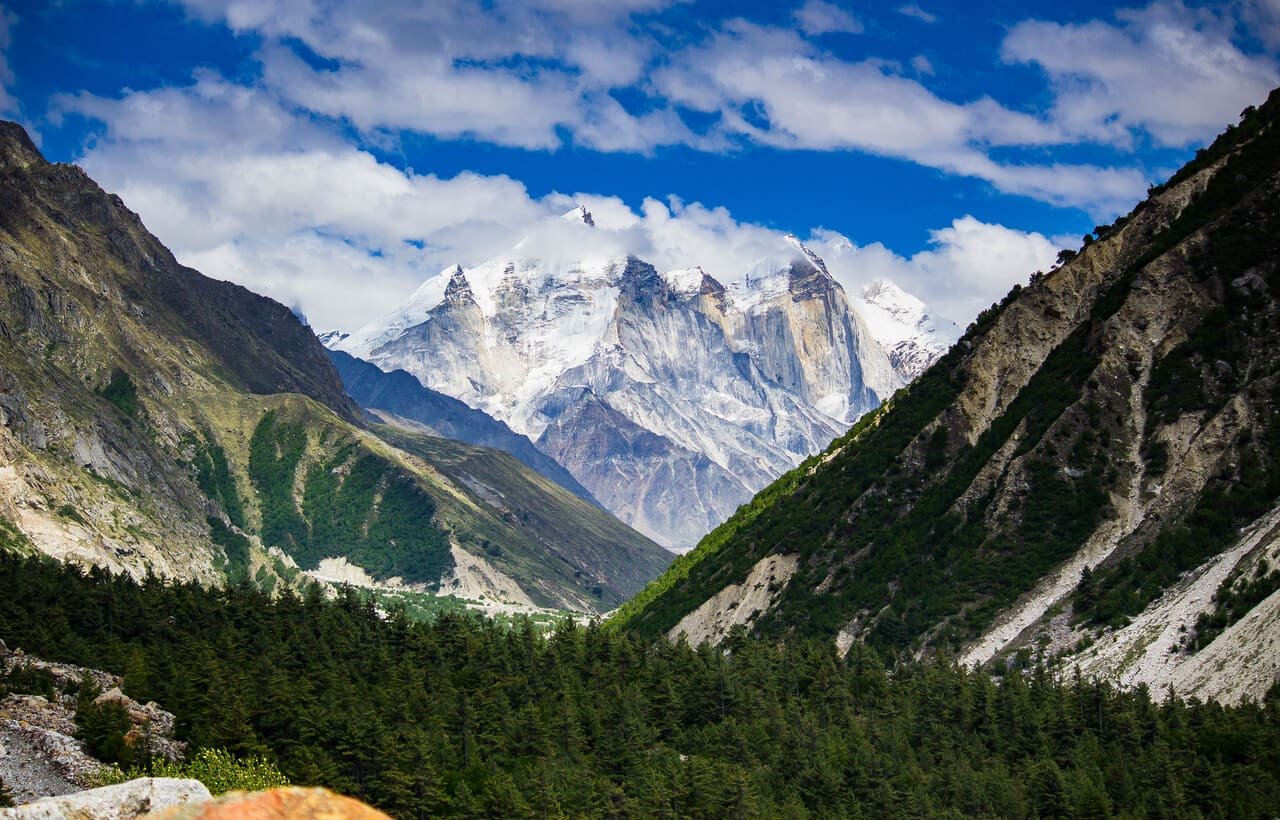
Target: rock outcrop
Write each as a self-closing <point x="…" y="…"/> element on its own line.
<point x="123" y="801"/>
<point x="291" y="803"/>
<point x="41" y="756"/>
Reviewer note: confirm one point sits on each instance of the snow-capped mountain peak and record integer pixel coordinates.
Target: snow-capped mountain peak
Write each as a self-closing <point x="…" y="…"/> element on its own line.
<point x="811" y="257"/>
<point x="580" y="214"/>
<point x="913" y="335"/>
<point x="671" y="397"/>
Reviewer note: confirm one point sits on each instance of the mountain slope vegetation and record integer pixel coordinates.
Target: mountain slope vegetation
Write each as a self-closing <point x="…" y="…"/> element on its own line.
<point x="462" y="717"/>
<point x="401" y="395"/>
<point x="1098" y="444"/>
<point x="153" y="420"/>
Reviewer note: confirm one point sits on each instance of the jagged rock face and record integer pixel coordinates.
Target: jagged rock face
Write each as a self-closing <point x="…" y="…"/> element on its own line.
<point x="1095" y="468"/>
<point x="708" y="392"/>
<point x="651" y="481"/>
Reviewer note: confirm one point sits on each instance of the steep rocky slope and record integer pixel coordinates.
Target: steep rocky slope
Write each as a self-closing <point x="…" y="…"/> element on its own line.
<point x="1093" y="470"/>
<point x="443" y="416"/>
<point x="670" y="396"/>
<point x="154" y="420"/>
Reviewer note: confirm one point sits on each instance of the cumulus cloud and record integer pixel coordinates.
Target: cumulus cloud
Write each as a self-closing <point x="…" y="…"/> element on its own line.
<point x="1167" y="70"/>
<point x="250" y="192"/>
<point x="967" y="266"/>
<point x="775" y="88"/>
<point x="536" y="74"/>
<point x="508" y="72"/>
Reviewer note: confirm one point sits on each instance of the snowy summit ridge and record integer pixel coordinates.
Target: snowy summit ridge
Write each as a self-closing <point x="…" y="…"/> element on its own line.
<point x="672" y="397"/>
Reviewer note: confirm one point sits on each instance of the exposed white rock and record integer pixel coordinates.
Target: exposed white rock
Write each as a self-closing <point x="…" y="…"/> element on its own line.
<point x="475" y="579"/>
<point x="124" y="800"/>
<point x="1242" y="662"/>
<point x="341" y="571"/>
<point x="737" y="604"/>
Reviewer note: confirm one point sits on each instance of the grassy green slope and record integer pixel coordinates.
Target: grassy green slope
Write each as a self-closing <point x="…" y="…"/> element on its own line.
<point x="530" y="527"/>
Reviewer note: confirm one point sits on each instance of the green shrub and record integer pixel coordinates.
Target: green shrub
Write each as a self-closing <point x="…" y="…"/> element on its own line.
<point x="222" y="772"/>
<point x="217" y="769"/>
<point x="122" y="392"/>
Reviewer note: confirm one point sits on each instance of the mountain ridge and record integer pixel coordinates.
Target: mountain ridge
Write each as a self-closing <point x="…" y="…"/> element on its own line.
<point x="153" y="420"/>
<point x="443" y="416"/>
<point x="1114" y="415"/>
<point x="731" y="385"/>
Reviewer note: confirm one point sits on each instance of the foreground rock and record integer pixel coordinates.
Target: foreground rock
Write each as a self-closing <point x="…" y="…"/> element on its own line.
<point x="291" y="802"/>
<point x="132" y="799"/>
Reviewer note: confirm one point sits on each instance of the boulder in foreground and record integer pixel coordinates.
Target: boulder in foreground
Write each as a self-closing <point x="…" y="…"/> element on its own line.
<point x="291" y="802"/>
<point x="123" y="800"/>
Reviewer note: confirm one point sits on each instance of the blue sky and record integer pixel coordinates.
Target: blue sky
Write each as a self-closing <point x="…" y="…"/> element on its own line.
<point x="334" y="154"/>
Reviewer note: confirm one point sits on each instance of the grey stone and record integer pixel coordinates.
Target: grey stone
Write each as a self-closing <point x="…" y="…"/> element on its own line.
<point x="125" y="800"/>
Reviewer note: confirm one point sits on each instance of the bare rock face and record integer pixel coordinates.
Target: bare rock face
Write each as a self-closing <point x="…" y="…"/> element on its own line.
<point x="669" y="396"/>
<point x="135" y="798"/>
<point x="291" y="802"/>
<point x="41" y="755"/>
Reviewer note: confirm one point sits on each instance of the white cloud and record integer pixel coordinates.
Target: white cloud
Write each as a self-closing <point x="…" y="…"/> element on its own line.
<point x="509" y="72"/>
<point x="8" y="105"/>
<point x="537" y="73"/>
<point x="819" y="17"/>
<point x="775" y="88"/>
<point x="913" y="10"/>
<point x="968" y="266"/>
<point x="249" y="192"/>
<point x="1167" y="70"/>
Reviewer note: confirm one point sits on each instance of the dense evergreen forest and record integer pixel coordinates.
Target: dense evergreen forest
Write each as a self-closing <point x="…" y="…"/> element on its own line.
<point x="463" y="717"/>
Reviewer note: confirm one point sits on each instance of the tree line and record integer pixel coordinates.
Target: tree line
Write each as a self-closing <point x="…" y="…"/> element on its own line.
<point x="463" y="717"/>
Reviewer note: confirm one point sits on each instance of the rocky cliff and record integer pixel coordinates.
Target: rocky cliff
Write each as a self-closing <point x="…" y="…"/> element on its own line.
<point x="1093" y="472"/>
<point x="404" y="397"/>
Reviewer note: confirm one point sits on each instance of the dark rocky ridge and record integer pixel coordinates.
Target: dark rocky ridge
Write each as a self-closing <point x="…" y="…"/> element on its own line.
<point x="260" y="342"/>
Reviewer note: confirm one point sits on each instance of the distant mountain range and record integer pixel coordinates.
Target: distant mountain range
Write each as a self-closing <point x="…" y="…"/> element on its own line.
<point x="670" y="396"/>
